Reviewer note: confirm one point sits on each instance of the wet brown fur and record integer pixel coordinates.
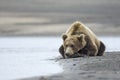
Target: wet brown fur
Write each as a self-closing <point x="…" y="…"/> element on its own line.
<point x="93" y="47"/>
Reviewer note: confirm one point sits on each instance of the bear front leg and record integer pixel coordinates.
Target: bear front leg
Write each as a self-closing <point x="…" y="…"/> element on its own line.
<point x="61" y="50"/>
<point x="92" y="51"/>
<point x="83" y="52"/>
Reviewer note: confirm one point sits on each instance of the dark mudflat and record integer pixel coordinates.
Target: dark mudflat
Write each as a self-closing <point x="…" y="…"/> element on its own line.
<point x="105" y="67"/>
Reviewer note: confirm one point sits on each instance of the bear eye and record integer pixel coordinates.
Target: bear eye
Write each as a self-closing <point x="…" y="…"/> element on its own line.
<point x="66" y="45"/>
<point x="72" y="46"/>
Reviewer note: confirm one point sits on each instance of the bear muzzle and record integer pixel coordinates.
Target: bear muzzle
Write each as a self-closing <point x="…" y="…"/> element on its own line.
<point x="75" y="55"/>
<point x="67" y="54"/>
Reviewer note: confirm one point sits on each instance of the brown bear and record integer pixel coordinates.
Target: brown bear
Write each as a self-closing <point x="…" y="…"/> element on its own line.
<point x="79" y="40"/>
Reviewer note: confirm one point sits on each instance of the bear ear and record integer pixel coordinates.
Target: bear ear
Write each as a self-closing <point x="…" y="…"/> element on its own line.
<point x="81" y="37"/>
<point x="64" y="36"/>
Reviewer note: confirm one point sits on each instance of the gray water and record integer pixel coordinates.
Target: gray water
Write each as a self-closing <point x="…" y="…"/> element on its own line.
<point x="22" y="57"/>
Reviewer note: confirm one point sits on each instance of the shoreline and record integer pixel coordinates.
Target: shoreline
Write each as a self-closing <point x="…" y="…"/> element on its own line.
<point x="104" y="67"/>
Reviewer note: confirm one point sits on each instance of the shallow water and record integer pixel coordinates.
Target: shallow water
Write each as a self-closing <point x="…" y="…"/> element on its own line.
<point x="30" y="56"/>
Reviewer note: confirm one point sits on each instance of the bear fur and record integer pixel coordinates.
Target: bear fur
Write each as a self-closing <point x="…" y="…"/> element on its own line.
<point x="79" y="40"/>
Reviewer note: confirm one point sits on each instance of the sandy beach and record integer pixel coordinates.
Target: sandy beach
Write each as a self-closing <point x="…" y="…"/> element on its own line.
<point x="106" y="67"/>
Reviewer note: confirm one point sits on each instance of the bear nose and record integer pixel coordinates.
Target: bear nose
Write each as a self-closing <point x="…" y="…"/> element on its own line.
<point x="67" y="54"/>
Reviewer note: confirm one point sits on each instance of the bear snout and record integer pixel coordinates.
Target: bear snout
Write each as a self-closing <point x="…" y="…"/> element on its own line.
<point x="67" y="54"/>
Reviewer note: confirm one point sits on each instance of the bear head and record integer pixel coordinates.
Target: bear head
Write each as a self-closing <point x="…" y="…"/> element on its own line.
<point x="73" y="44"/>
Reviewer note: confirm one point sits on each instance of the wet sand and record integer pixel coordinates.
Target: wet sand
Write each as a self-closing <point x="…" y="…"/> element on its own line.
<point x="106" y="67"/>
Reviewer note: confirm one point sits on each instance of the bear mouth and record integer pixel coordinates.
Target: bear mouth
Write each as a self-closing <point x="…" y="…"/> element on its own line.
<point x="76" y="55"/>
